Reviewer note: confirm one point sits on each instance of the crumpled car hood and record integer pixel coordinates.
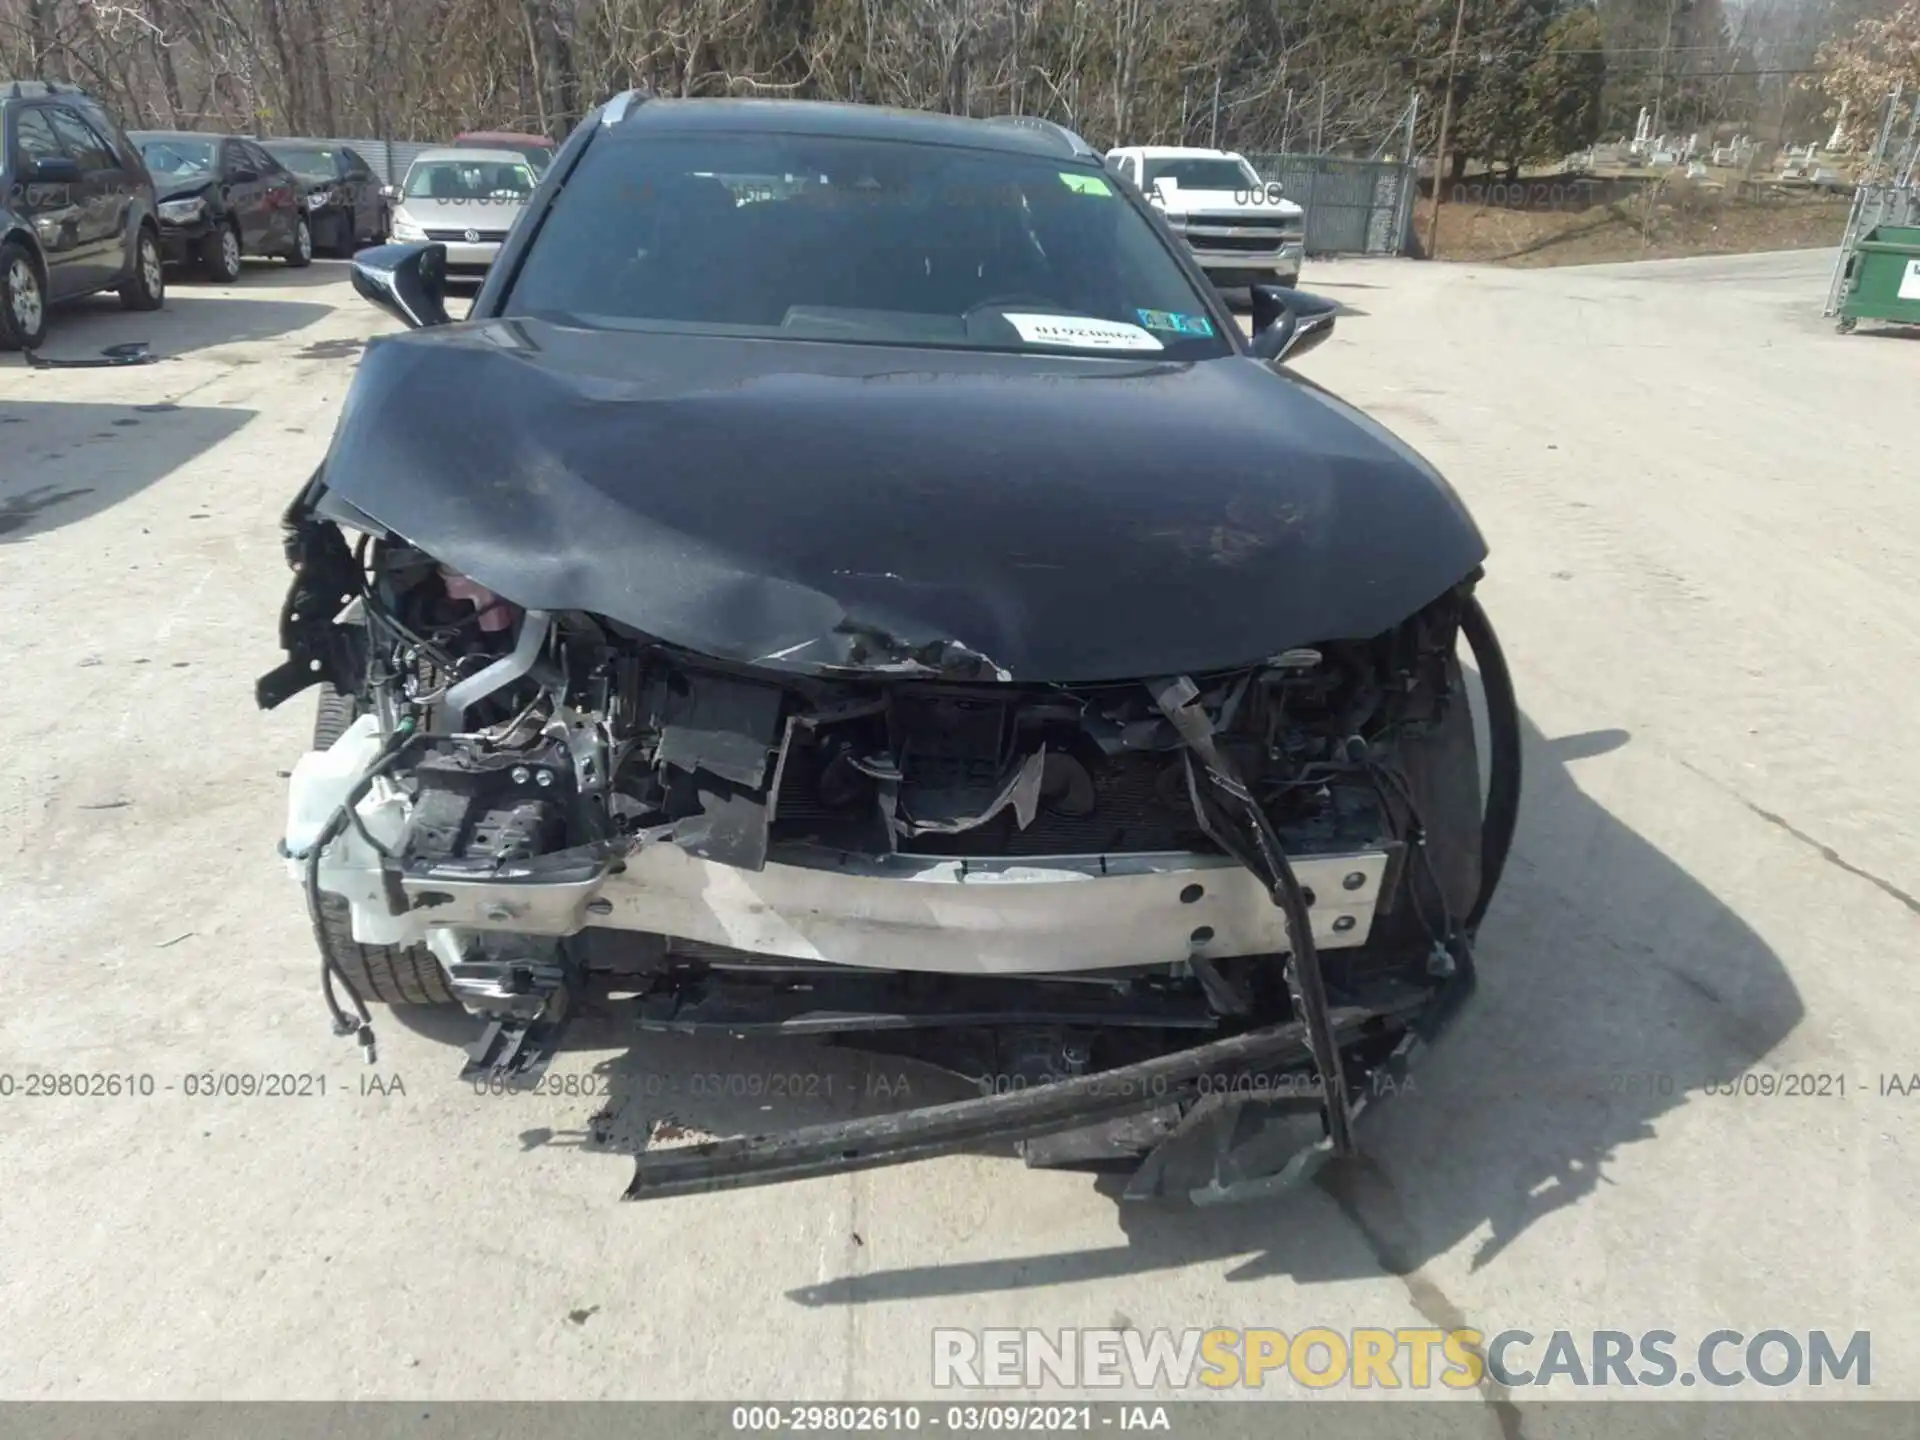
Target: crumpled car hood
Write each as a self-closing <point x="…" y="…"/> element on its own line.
<point x="827" y="508"/>
<point x="183" y="185"/>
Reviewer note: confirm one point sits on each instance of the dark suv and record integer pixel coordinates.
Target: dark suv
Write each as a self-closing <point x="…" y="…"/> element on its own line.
<point x="77" y="211"/>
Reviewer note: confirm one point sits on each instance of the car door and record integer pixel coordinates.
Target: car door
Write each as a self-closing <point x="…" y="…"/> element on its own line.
<point x="103" y="194"/>
<point x="246" y="191"/>
<point x="287" y="196"/>
<point x="283" y="196"/>
<point x="55" y="211"/>
<point x="359" y="178"/>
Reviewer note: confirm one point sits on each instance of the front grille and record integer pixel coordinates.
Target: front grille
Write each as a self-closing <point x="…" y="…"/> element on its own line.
<point x="1274" y="225"/>
<point x="459" y="237"/>
<point x="1140" y="805"/>
<point x="1248" y="244"/>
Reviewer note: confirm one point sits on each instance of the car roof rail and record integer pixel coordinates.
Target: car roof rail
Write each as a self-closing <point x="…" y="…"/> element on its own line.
<point x="35" y="89"/>
<point x="1071" y="139"/>
<point x="622" y="105"/>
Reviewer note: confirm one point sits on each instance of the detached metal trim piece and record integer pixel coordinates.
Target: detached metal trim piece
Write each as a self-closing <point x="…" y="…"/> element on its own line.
<point x="933" y="1130"/>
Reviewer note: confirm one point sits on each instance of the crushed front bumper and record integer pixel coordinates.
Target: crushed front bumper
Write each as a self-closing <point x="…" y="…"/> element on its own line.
<point x="1206" y="1137"/>
<point x="961" y="917"/>
<point x="180" y="243"/>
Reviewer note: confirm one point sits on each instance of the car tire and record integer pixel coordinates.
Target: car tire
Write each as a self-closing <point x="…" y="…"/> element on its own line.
<point x="389" y="974"/>
<point x="300" y="254"/>
<point x="220" y="254"/>
<point x="146" y="287"/>
<point x="23" y="299"/>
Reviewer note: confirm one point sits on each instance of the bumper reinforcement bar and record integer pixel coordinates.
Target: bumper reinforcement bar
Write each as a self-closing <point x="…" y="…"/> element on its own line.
<point x="933" y="1130"/>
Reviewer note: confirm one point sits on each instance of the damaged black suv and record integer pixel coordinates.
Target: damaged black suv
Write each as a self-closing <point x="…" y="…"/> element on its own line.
<point x="849" y="575"/>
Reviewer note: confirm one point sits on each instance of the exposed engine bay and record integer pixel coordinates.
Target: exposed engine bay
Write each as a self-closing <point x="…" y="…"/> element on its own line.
<point x="1049" y="880"/>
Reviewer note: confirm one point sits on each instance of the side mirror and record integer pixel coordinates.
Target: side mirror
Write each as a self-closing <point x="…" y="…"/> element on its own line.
<point x="243" y="177"/>
<point x="51" y="170"/>
<point x="409" y="282"/>
<point x="1288" y="323"/>
<point x="389" y="192"/>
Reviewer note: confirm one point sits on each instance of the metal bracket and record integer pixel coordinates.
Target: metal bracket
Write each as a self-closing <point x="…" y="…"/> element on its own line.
<point x="1178" y="698"/>
<point x="325" y="580"/>
<point x="527" y="1001"/>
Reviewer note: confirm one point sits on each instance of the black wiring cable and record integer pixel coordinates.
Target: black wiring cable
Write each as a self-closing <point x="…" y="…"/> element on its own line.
<point x="390" y="752"/>
<point x="1502" y="814"/>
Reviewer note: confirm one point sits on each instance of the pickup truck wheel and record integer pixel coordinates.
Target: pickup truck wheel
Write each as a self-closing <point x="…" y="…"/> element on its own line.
<point x="390" y="974"/>
<point x="23" y="299"/>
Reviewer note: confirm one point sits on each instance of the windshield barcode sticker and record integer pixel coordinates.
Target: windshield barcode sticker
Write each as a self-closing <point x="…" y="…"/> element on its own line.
<point x="1080" y="333"/>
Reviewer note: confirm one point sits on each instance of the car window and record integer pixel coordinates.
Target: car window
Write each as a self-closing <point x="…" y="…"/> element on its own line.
<point x="33" y="137"/>
<point x="173" y="156"/>
<point x="260" y="159"/>
<point x="469" y="181"/>
<point x="80" y="140"/>
<point x="306" y="159"/>
<point x="108" y="128"/>
<point x="1199" y="174"/>
<point x="882" y="242"/>
<point x="357" y="167"/>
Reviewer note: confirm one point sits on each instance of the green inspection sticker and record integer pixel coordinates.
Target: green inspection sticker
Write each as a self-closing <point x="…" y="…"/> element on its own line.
<point x="1085" y="184"/>
<point x="1175" y="321"/>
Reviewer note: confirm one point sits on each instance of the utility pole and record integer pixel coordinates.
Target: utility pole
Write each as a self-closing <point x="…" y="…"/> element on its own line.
<point x="1214" y="142"/>
<point x="1660" y="87"/>
<point x="1446" y="121"/>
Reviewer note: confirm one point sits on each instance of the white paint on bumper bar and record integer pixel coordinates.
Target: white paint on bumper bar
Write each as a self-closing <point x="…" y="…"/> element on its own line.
<point x="1029" y="916"/>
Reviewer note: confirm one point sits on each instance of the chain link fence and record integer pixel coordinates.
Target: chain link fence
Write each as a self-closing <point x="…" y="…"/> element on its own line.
<point x="1353" y="207"/>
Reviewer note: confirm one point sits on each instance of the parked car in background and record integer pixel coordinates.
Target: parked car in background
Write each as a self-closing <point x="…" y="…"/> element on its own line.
<point x="1241" y="229"/>
<point x="345" y="202"/>
<point x="221" y="198"/>
<point x="77" y="209"/>
<point x="537" y="150"/>
<point x="465" y="199"/>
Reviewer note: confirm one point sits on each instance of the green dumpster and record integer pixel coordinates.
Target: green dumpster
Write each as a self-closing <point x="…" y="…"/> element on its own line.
<point x="1883" y="278"/>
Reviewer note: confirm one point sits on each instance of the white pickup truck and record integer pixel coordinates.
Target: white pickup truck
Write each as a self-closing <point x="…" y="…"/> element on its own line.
<point x="1240" y="228"/>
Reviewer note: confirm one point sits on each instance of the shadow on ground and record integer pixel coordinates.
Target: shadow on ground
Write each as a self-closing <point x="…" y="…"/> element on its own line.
<point x="66" y="462"/>
<point x="1612" y="987"/>
<point x="191" y="320"/>
<point x="258" y="274"/>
